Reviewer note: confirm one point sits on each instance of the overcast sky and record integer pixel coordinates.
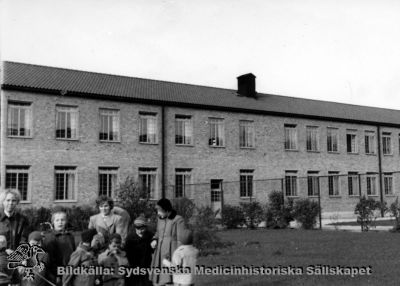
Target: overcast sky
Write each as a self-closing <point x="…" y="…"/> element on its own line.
<point x="344" y="51"/>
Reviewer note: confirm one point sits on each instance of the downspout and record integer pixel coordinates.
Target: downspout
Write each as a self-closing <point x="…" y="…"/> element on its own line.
<point x="380" y="169"/>
<point x="3" y="134"/>
<point x="163" y="159"/>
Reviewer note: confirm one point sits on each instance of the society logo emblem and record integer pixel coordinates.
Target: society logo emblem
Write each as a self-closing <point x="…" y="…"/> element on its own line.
<point x="26" y="257"/>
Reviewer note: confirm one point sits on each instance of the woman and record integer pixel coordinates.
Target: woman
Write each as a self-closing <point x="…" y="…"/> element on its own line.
<point x="165" y="241"/>
<point x="106" y="222"/>
<point x="13" y="225"/>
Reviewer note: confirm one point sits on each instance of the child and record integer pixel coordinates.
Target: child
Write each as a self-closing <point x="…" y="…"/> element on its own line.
<point x="113" y="258"/>
<point x="59" y="244"/>
<point x="5" y="273"/>
<point x="82" y="257"/>
<point x="184" y="258"/>
<point x="39" y="278"/>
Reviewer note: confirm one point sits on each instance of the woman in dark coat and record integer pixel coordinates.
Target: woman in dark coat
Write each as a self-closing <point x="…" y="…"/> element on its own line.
<point x="165" y="241"/>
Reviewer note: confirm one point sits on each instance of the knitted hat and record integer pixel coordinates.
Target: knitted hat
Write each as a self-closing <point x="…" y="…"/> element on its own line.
<point x="140" y="221"/>
<point x="186" y="237"/>
<point x="35" y="235"/>
<point x="165" y="204"/>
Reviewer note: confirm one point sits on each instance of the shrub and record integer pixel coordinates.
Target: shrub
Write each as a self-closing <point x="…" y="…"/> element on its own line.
<point x="306" y="212"/>
<point x="78" y="216"/>
<point x="253" y="213"/>
<point x="279" y="214"/>
<point x="184" y="207"/>
<point x="232" y="216"/>
<point x="365" y="211"/>
<point x="36" y="216"/>
<point x="395" y="212"/>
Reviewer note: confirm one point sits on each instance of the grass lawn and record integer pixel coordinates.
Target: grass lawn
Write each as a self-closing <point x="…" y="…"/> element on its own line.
<point x="299" y="248"/>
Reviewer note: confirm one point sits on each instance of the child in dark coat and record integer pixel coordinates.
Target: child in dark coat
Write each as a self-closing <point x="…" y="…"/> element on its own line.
<point x="5" y="273"/>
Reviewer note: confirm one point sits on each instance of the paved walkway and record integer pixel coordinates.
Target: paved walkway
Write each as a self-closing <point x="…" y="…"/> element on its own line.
<point x="327" y="225"/>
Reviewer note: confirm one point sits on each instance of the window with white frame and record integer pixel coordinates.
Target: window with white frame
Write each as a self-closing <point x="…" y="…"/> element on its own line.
<point x="246" y="134"/>
<point x="17" y="177"/>
<point x="65" y="183"/>
<point x="332" y="139"/>
<point x="371" y="184"/>
<point x="386" y="143"/>
<point x="312" y="138"/>
<point x="352" y="180"/>
<point x="290" y="137"/>
<point x="109" y="125"/>
<point x="369" y="142"/>
<point x="108" y="177"/>
<point x="183" y="130"/>
<point x="388" y="183"/>
<point x="217" y="132"/>
<point x="246" y="183"/>
<point x="351" y="141"/>
<point x="19" y="123"/>
<point x="183" y="180"/>
<point x="333" y="183"/>
<point x="66" y="122"/>
<point x="148" y="128"/>
<point x="216" y="187"/>
<point x="291" y="183"/>
<point x="148" y="182"/>
<point x="313" y="183"/>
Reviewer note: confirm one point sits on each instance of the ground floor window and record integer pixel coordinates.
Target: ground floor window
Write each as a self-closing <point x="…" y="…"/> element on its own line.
<point x="65" y="178"/>
<point x="17" y="177"/>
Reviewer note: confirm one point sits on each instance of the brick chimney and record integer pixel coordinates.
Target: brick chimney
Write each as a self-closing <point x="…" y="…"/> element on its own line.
<point x="247" y="85"/>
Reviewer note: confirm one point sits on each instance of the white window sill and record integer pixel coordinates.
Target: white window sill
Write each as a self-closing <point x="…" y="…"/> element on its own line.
<point x="354" y="196"/>
<point x="333" y="152"/>
<point x="370" y="154"/>
<point x="67" y="139"/>
<point x="110" y="141"/>
<point x="335" y="197"/>
<point x="313" y="151"/>
<point x="292" y="150"/>
<point x="184" y="145"/>
<point x="247" y="148"/>
<point x="19" y="137"/>
<point x="352" y="153"/>
<point x="148" y="143"/>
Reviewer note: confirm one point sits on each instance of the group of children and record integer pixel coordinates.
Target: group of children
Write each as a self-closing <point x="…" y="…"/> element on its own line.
<point x="61" y="254"/>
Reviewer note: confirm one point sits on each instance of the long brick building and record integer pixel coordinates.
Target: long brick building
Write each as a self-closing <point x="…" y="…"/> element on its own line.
<point x="68" y="135"/>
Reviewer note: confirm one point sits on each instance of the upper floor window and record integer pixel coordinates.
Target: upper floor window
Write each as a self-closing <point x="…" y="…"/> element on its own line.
<point x="183" y="130"/>
<point x="17" y="177"/>
<point x="246" y="183"/>
<point x="66" y="182"/>
<point x="387" y="143"/>
<point x="351" y="141"/>
<point x="246" y="134"/>
<point x="369" y="142"/>
<point x="332" y="139"/>
<point x="148" y="128"/>
<point x="148" y="181"/>
<point x="109" y="125"/>
<point x="19" y="123"/>
<point x="313" y="183"/>
<point x="183" y="180"/>
<point x="66" y="122"/>
<point x="217" y="132"/>
<point x="312" y="138"/>
<point x="107" y="180"/>
<point x="291" y="183"/>
<point x="290" y="137"/>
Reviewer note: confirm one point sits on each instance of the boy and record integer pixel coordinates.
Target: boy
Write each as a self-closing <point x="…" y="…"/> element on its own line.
<point x="113" y="258"/>
<point x="5" y="273"/>
<point x="58" y="243"/>
<point x="82" y="257"/>
<point x="184" y="259"/>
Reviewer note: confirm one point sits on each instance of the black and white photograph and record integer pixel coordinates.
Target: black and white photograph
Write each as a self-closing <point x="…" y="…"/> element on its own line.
<point x="225" y="142"/>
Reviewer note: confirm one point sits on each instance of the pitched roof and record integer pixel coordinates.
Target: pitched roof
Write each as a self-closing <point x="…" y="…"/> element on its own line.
<point x="20" y="76"/>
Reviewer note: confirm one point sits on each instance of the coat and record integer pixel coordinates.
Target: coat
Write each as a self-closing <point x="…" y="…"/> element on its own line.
<point x="14" y="228"/>
<point x="168" y="231"/>
<point x="38" y="280"/>
<point x="107" y="225"/>
<point x="82" y="256"/>
<point x="113" y="261"/>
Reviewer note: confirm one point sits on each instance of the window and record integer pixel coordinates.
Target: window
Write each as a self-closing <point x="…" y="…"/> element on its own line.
<point x="109" y="125"/>
<point x="183" y="130"/>
<point x="371" y="184"/>
<point x="66" y="122"/>
<point x="147" y="181"/>
<point x="332" y="139"/>
<point x="107" y="181"/>
<point x="351" y="140"/>
<point x="386" y="143"/>
<point x="290" y="137"/>
<point x="369" y="142"/>
<point x="217" y="136"/>
<point x="18" y="178"/>
<point x="216" y="186"/>
<point x="183" y="179"/>
<point x="312" y="138"/>
<point x="65" y="183"/>
<point x="291" y="183"/>
<point x="148" y="128"/>
<point x="313" y="183"/>
<point x="353" y="183"/>
<point x="246" y="134"/>
<point x="333" y="183"/>
<point x="246" y="183"/>
<point x="388" y="183"/>
<point x="19" y="122"/>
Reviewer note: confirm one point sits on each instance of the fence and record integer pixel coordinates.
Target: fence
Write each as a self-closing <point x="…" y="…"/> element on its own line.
<point x="337" y="194"/>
